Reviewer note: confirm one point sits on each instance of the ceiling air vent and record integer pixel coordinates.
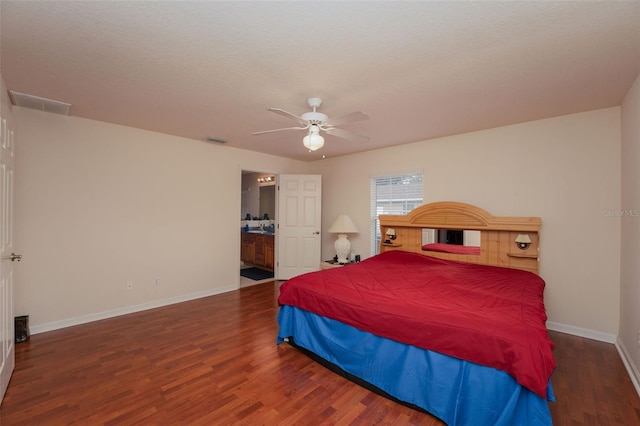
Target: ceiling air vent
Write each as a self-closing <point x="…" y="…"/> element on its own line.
<point x="41" y="104"/>
<point x="215" y="139"/>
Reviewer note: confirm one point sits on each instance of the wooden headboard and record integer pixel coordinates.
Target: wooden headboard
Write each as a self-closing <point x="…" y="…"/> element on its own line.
<point x="497" y="237"/>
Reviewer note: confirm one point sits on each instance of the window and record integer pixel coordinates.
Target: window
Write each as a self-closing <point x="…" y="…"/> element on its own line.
<point x="397" y="194"/>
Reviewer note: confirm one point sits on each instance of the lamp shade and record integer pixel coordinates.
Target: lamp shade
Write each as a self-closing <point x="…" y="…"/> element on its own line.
<point x="523" y="241"/>
<point x="391" y="232"/>
<point x="343" y="225"/>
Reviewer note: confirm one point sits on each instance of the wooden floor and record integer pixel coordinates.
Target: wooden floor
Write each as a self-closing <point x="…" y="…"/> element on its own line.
<point x="214" y="361"/>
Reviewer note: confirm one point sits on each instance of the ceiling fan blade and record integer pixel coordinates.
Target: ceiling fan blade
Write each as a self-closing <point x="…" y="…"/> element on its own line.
<point x="346" y="135"/>
<point x="347" y="118"/>
<point x="278" y="130"/>
<point x="289" y="115"/>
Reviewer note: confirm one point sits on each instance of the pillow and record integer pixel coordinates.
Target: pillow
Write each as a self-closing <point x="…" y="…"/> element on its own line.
<point x="452" y="248"/>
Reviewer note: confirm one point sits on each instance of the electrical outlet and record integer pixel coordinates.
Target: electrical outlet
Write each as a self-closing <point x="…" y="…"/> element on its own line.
<point x="129" y="285"/>
<point x="156" y="282"/>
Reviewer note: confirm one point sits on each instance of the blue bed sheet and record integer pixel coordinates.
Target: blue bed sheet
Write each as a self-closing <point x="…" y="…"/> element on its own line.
<point x="456" y="391"/>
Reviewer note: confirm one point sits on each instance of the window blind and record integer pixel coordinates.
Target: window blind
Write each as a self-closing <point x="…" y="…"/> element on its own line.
<point x="397" y="194"/>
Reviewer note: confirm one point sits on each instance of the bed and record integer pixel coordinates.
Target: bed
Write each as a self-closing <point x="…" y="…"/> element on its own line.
<point x="461" y="336"/>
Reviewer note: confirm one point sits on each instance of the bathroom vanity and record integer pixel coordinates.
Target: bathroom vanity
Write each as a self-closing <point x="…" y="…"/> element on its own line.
<point x="257" y="249"/>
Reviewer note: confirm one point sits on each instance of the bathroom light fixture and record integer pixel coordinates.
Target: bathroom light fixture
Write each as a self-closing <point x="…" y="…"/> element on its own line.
<point x="523" y="241"/>
<point x="313" y="141"/>
<point x="391" y="235"/>
<point x="342" y="226"/>
<point x="266" y="179"/>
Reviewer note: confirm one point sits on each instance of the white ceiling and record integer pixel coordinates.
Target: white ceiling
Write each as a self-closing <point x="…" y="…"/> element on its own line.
<point x="420" y="69"/>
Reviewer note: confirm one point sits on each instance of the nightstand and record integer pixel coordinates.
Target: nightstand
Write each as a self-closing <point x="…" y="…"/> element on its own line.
<point x="328" y="264"/>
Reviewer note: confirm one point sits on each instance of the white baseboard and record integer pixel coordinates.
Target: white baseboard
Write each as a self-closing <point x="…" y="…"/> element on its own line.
<point x="632" y="369"/>
<point x="582" y="332"/>
<point x="125" y="310"/>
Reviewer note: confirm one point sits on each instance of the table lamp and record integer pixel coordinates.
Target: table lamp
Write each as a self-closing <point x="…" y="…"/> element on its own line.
<point x="342" y="226"/>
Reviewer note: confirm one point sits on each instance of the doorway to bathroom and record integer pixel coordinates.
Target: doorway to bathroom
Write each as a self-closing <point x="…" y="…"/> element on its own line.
<point x="257" y="227"/>
<point x="288" y="241"/>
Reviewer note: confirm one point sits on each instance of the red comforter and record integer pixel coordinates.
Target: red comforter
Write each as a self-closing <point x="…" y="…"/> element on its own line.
<point x="487" y="315"/>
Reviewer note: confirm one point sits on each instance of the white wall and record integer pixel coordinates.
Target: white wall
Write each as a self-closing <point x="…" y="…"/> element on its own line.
<point x="629" y="337"/>
<point x="99" y="205"/>
<point x="565" y="170"/>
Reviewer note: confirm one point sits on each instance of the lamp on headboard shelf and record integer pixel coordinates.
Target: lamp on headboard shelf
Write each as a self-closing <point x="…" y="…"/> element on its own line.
<point x="523" y="241"/>
<point x="342" y="226"/>
<point x="391" y="235"/>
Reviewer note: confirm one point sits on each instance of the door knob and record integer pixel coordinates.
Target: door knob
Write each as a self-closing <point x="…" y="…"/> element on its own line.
<point x="316" y="233"/>
<point x="15" y="257"/>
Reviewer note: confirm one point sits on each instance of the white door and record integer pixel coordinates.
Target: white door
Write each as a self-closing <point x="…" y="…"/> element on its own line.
<point x="7" y="350"/>
<point x="299" y="214"/>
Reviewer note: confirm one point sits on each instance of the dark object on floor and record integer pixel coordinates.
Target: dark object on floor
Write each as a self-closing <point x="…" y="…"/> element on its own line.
<point x="22" y="328"/>
<point x="256" y="274"/>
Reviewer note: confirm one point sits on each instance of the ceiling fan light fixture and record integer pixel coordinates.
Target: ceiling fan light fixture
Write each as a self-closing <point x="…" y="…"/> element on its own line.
<point x="315" y="122"/>
<point x="314" y="117"/>
<point x="313" y="141"/>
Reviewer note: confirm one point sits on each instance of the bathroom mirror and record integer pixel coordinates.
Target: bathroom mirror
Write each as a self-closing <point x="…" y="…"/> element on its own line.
<point x="268" y="201"/>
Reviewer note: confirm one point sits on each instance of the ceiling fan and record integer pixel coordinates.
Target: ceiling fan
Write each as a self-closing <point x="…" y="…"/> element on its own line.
<point x="315" y="122"/>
